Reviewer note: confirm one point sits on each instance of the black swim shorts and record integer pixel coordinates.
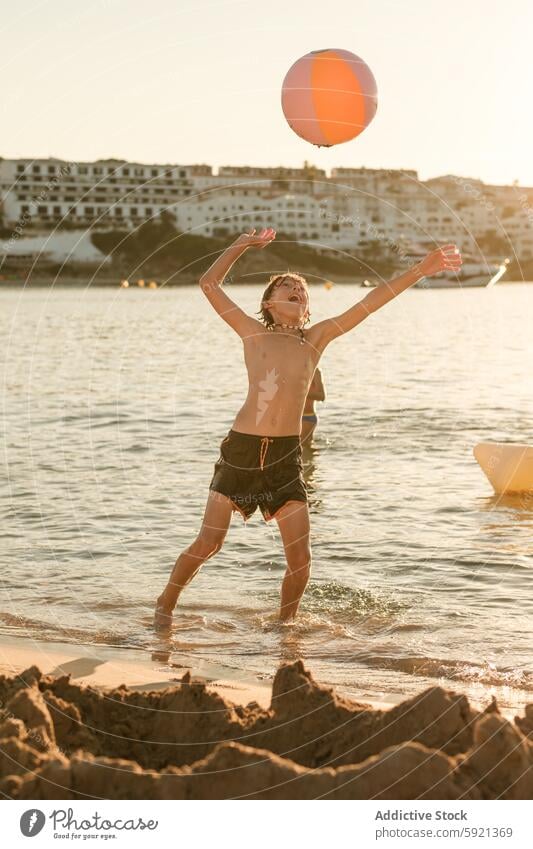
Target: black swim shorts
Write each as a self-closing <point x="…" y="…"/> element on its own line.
<point x="259" y="471"/>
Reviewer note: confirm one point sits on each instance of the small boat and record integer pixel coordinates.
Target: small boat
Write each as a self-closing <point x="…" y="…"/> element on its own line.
<point x="507" y="465"/>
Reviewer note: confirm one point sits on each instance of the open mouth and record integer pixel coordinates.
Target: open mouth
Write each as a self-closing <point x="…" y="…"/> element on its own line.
<point x="294" y="299"/>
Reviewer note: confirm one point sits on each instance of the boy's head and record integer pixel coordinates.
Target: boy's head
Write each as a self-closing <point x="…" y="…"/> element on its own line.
<point x="285" y="300"/>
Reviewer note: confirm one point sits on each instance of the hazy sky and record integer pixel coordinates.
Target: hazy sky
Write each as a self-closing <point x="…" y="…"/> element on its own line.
<point x="185" y="81"/>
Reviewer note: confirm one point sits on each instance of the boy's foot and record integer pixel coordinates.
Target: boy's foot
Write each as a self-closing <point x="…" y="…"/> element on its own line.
<point x="162" y="616"/>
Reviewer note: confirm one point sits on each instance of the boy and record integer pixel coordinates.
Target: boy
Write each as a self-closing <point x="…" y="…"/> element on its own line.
<point x="260" y="461"/>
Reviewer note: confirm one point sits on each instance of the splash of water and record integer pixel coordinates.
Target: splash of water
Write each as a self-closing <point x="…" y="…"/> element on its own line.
<point x="342" y="602"/>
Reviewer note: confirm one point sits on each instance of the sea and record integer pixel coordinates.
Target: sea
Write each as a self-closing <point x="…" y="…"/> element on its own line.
<point x="114" y="404"/>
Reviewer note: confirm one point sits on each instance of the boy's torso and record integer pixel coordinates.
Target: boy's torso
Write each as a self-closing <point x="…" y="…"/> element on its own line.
<point x="280" y="370"/>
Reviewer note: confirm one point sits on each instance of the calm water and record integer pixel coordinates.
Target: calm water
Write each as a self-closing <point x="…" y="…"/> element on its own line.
<point x="114" y="405"/>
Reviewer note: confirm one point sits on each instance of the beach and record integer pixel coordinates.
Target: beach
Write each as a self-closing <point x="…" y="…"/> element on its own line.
<point x="79" y="734"/>
<point x="420" y="580"/>
<point x="266" y="501"/>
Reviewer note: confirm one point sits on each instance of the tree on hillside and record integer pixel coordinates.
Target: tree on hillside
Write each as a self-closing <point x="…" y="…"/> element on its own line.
<point x="493" y="243"/>
<point x="158" y="247"/>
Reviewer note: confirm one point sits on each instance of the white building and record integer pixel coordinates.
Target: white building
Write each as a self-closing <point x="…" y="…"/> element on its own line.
<point x="350" y="209"/>
<point x="225" y="211"/>
<point x="107" y="193"/>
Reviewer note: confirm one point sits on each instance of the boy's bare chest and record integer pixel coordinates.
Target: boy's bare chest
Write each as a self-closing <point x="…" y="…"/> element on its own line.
<point x="285" y="354"/>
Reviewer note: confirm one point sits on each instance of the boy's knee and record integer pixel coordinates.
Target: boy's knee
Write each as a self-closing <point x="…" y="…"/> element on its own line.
<point x="206" y="546"/>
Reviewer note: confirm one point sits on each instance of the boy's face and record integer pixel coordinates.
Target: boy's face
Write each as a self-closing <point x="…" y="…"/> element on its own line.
<point x="289" y="302"/>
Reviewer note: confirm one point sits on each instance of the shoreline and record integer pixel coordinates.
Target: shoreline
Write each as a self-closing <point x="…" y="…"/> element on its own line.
<point x="142" y="670"/>
<point x="108" y="282"/>
<point x="114" y="283"/>
<point x="108" y="667"/>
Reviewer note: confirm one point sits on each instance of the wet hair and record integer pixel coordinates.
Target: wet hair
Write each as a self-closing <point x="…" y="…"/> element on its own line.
<point x="266" y="315"/>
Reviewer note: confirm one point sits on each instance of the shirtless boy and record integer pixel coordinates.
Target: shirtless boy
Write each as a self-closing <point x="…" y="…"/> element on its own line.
<point x="260" y="463"/>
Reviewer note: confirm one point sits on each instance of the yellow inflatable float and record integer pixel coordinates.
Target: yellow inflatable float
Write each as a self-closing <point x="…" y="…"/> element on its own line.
<point x="507" y="465"/>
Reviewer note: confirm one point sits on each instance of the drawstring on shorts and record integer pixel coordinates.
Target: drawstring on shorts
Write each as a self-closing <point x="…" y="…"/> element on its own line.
<point x="263" y="452"/>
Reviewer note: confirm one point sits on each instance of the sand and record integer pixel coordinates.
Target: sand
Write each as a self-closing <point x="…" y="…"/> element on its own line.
<point x="104" y="666"/>
<point x="63" y="738"/>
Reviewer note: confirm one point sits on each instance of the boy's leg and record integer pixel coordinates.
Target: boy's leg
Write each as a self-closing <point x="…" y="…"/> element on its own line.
<point x="293" y="523"/>
<point x="215" y="524"/>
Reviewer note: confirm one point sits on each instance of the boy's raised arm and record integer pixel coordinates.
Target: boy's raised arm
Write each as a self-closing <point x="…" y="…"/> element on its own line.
<point x="211" y="281"/>
<point x="447" y="257"/>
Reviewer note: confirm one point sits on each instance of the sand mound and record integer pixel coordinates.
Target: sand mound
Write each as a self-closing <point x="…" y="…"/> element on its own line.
<point x="66" y="741"/>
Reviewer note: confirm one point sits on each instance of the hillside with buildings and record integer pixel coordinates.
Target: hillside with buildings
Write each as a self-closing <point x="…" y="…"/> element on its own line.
<point x="114" y="217"/>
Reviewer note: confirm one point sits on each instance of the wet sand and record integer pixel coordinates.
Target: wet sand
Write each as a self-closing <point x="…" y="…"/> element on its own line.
<point x="102" y="666"/>
<point x="101" y="726"/>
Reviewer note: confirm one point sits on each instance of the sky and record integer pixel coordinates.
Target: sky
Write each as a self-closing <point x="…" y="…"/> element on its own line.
<point x="199" y="81"/>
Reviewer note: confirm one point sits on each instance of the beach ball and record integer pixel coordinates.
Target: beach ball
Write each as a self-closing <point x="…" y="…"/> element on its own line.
<point x="329" y="97"/>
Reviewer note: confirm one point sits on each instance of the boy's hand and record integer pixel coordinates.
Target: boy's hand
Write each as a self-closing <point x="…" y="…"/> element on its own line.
<point x="446" y="258"/>
<point x="251" y="239"/>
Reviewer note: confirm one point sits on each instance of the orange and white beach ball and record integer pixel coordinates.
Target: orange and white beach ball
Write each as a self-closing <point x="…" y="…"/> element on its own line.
<point x="329" y="97"/>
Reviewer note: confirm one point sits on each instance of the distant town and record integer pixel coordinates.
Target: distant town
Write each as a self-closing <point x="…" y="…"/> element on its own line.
<point x="81" y="215"/>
